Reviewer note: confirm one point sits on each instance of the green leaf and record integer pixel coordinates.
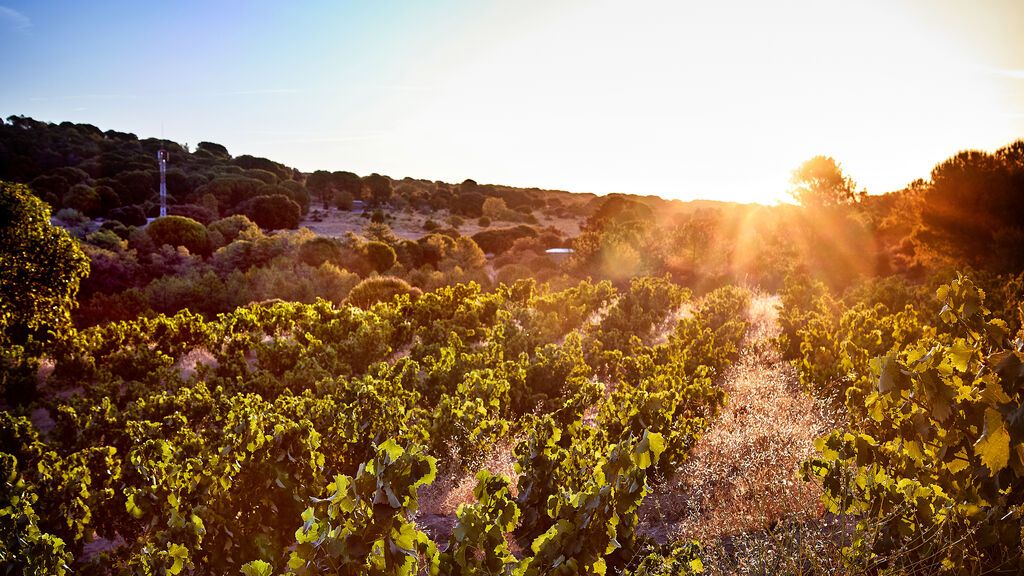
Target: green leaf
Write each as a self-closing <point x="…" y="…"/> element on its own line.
<point x="405" y="538"/>
<point x="180" y="555"/>
<point x="994" y="446"/>
<point x="960" y="354"/>
<point x="393" y="450"/>
<point x="888" y="372"/>
<point x="657" y="444"/>
<point x="133" y="508"/>
<point x="257" y="568"/>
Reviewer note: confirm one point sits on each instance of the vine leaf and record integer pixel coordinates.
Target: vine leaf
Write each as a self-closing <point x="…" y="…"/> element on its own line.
<point x="960" y="354"/>
<point x="994" y="445"/>
<point x="257" y="568"/>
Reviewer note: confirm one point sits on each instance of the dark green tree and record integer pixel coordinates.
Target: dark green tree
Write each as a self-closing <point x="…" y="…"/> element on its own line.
<point x="179" y="231"/>
<point x="377" y="188"/>
<point x="273" y="212"/>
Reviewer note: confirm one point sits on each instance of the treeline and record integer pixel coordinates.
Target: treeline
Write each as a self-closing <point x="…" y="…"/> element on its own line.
<point x="114" y="175"/>
<point x="968" y="213"/>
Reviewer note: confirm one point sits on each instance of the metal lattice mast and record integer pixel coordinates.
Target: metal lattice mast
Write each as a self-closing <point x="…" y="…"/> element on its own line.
<point x="161" y="155"/>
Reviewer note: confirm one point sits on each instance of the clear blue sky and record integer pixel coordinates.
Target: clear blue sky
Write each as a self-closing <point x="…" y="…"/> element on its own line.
<point x="681" y="99"/>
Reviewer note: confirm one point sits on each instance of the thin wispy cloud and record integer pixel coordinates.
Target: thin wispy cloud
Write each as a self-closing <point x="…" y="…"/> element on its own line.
<point x="82" y="97"/>
<point x="260" y="91"/>
<point x="404" y="87"/>
<point x="13" y="19"/>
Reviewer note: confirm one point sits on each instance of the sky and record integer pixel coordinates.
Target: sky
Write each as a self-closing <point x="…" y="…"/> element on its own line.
<point x="718" y="100"/>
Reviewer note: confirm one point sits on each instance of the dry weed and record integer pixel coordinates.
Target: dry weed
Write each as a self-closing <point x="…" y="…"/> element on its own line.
<point x="742" y="475"/>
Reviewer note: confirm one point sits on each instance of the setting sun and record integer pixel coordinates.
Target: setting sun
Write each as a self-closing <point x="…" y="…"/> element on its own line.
<point x="680" y="99"/>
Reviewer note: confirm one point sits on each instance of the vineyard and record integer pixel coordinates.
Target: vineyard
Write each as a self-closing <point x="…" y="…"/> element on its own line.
<point x="823" y="389"/>
<point x="334" y="417"/>
<point x="293" y="438"/>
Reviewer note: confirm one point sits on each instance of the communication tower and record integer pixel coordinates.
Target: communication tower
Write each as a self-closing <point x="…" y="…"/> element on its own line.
<point x="162" y="156"/>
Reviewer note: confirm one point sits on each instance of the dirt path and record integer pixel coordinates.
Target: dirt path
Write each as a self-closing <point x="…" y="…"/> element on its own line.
<point x="742" y="475"/>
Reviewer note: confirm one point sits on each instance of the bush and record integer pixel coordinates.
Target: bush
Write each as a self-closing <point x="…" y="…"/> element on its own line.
<point x="197" y="212"/>
<point x="344" y="200"/>
<point x="71" y="217"/>
<point x="83" y="198"/>
<point x="501" y="239"/>
<point x="116" y="227"/>
<point x="380" y="256"/>
<point x="484" y="221"/>
<point x="234" y="227"/>
<point x="319" y="250"/>
<point x="107" y="239"/>
<point x="273" y="212"/>
<point x="430" y="225"/>
<point x="179" y="231"/>
<point x="130" y="215"/>
<point x="379" y="289"/>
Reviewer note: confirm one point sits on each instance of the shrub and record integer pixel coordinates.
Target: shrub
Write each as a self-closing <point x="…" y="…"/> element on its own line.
<point x="380" y="256"/>
<point x="484" y="221"/>
<point x="197" y="212"/>
<point x="117" y="227"/>
<point x="319" y="250"/>
<point x="234" y="227"/>
<point x="130" y="215"/>
<point x="83" y="198"/>
<point x="107" y="239"/>
<point x="379" y="289"/>
<point x="71" y="217"/>
<point x="179" y="231"/>
<point x="501" y="239"/>
<point x="344" y="200"/>
<point x="273" y="212"/>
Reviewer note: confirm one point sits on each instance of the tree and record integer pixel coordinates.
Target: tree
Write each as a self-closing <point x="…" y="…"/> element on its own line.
<point x="322" y="184"/>
<point x="820" y="183"/>
<point x="378" y="188"/>
<point x="273" y="212"/>
<point x="315" y="251"/>
<point x="974" y="197"/>
<point x="40" y="269"/>
<point x="179" y="231"/>
<point x="380" y="256"/>
<point x="214" y="149"/>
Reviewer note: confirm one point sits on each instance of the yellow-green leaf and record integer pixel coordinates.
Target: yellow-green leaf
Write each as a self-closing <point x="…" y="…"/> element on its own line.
<point x="994" y="446"/>
<point x="960" y="354"/>
<point x="257" y="568"/>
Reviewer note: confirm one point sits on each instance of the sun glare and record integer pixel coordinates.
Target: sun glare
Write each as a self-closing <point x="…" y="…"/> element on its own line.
<point x="711" y="100"/>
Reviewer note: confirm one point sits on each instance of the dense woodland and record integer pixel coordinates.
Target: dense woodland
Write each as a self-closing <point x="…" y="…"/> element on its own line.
<point x="223" y="391"/>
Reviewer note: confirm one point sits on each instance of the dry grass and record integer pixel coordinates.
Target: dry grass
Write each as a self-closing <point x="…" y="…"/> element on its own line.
<point x="409" y="225"/>
<point x="453" y="486"/>
<point x="189" y="362"/>
<point x="741" y="476"/>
